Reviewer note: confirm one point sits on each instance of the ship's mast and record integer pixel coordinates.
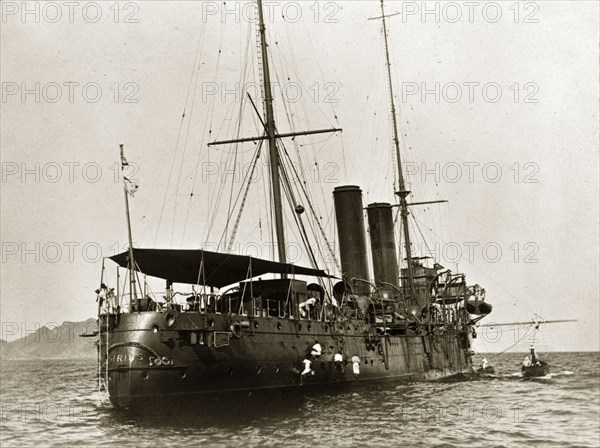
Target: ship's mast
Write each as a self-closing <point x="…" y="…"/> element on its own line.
<point x="132" y="287"/>
<point x="402" y="192"/>
<point x="271" y="134"/>
<point x="272" y="137"/>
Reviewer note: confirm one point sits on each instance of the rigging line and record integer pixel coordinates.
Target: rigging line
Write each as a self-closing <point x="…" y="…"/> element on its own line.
<point x="413" y="228"/>
<point x="196" y="170"/>
<point x="200" y="39"/>
<point x="313" y="212"/>
<point x="185" y="145"/>
<point x="489" y="278"/>
<point x="239" y="130"/>
<point x="248" y="183"/>
<point x="314" y="216"/>
<point x="219" y="192"/>
<point x="302" y="180"/>
<point x="231" y="206"/>
<point x="393" y="116"/>
<point x="316" y="59"/>
<point x="299" y="222"/>
<point x="212" y="114"/>
<point x="423" y="238"/>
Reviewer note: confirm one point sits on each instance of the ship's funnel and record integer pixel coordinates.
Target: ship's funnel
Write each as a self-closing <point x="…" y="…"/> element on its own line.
<point x="383" y="245"/>
<point x="351" y="232"/>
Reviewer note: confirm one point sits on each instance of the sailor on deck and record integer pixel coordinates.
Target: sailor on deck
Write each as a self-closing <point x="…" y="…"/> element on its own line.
<point x="526" y="362"/>
<point x="101" y="296"/>
<point x="304" y="306"/>
<point x="484" y="363"/>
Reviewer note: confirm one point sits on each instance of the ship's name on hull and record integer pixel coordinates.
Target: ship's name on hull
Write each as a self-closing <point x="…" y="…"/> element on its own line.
<point x="129" y="357"/>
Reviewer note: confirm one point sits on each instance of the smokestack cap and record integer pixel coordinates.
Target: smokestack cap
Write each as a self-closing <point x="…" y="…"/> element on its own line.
<point x="347" y="188"/>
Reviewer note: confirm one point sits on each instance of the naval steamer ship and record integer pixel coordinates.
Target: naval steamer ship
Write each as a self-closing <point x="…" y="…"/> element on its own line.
<point x="237" y="331"/>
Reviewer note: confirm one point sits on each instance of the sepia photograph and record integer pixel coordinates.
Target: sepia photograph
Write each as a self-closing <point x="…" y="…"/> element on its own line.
<point x="345" y="223"/>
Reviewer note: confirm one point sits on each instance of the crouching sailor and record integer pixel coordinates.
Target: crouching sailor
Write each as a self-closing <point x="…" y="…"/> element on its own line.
<point x="356" y="366"/>
<point x="307" y="369"/>
<point x="338" y="362"/>
<point x="316" y="350"/>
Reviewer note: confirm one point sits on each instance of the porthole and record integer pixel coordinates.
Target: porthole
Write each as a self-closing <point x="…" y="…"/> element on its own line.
<point x="211" y="323"/>
<point x="183" y="374"/>
<point x="255" y="324"/>
<point x="230" y="371"/>
<point x="154" y="328"/>
<point x="144" y="375"/>
<point x="259" y="369"/>
<point x="279" y="325"/>
<point x="308" y="327"/>
<point x="277" y="368"/>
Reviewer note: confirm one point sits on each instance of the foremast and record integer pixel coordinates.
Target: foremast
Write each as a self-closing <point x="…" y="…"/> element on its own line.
<point x="402" y="191"/>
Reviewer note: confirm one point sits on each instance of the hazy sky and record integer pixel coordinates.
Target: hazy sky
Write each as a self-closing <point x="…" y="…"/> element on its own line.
<point x="498" y="111"/>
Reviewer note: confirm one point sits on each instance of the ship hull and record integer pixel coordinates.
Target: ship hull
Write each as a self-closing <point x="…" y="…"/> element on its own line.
<point x="152" y="355"/>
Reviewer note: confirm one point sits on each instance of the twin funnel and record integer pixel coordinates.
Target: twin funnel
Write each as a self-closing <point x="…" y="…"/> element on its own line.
<point x="353" y="247"/>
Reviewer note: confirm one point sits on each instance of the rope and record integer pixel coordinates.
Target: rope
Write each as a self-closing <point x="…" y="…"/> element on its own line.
<point x="200" y="40"/>
<point x="249" y="175"/>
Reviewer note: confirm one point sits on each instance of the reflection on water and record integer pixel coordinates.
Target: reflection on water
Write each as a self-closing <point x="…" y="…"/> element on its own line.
<point x="55" y="403"/>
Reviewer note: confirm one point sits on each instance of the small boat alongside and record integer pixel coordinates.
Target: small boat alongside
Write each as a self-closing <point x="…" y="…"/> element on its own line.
<point x="534" y="367"/>
<point x="487" y="370"/>
<point x="542" y="369"/>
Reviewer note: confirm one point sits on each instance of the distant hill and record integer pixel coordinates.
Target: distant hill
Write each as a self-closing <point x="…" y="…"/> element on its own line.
<point x="62" y="342"/>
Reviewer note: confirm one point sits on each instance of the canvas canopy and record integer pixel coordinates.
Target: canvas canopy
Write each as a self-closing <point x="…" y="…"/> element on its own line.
<point x="218" y="269"/>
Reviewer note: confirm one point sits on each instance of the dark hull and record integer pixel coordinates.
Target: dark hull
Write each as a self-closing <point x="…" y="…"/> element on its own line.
<point x="536" y="371"/>
<point x="220" y="353"/>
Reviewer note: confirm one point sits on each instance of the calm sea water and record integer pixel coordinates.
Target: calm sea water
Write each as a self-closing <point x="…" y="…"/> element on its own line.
<point x="54" y="403"/>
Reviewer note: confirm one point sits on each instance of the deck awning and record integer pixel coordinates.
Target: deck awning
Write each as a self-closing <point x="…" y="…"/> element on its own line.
<point x="218" y="269"/>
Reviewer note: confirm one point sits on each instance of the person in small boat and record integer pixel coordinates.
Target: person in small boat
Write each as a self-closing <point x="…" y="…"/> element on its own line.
<point x="484" y="363"/>
<point x="535" y="360"/>
<point x="526" y="362"/>
<point x="306" y="306"/>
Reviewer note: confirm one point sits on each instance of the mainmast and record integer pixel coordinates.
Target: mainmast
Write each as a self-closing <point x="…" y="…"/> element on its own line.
<point x="402" y="192"/>
<point x="272" y="137"/>
<point x="270" y="134"/>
